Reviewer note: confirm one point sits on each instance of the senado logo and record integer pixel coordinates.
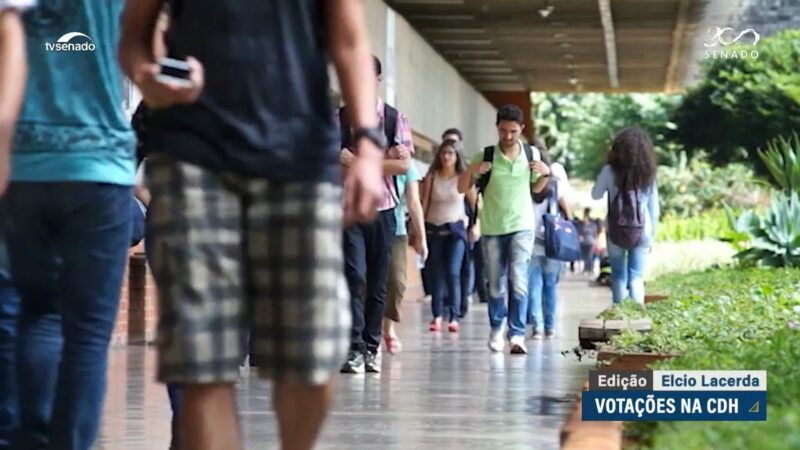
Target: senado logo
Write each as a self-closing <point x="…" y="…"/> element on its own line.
<point x="71" y="42"/>
<point x="718" y="38"/>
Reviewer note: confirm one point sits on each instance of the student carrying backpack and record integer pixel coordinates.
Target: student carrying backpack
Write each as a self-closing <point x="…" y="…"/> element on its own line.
<point x="629" y="180"/>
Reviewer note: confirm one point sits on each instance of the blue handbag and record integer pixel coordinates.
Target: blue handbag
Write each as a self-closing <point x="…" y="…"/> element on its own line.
<point x="561" y="240"/>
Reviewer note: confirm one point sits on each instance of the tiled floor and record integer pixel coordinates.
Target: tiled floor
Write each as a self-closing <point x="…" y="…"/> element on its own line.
<point x="443" y="392"/>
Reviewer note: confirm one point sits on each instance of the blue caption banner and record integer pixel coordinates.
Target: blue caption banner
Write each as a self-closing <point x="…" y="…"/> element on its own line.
<point x="674" y="405"/>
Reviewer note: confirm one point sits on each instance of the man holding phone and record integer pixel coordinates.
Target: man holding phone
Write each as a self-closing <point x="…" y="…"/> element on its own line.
<point x="367" y="247"/>
<point x="246" y="203"/>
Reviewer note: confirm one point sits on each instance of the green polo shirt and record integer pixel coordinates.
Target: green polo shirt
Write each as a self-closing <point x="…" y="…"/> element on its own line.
<point x="507" y="206"/>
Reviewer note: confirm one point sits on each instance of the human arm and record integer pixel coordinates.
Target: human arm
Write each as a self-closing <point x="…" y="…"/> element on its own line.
<point x="472" y="199"/>
<point x="352" y="57"/>
<point x="425" y="192"/>
<point x="13" y="73"/>
<point x="477" y="167"/>
<point x="655" y="208"/>
<point x="544" y="174"/>
<point x="416" y="214"/>
<point x="138" y="58"/>
<point x="603" y="182"/>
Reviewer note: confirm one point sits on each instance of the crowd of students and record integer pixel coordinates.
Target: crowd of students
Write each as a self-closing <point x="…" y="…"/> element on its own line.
<point x="276" y="229"/>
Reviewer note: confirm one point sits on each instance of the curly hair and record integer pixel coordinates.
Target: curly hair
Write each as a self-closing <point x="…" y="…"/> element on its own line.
<point x="632" y="159"/>
<point x="461" y="164"/>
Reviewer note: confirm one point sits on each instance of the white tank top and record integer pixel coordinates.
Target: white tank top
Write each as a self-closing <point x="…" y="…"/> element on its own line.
<point x="446" y="204"/>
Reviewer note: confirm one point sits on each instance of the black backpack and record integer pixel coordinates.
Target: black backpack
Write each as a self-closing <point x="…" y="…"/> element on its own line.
<point x="625" y="219"/>
<point x="390" y="116"/>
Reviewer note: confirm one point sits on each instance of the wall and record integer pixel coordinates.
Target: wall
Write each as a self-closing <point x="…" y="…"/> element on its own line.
<point x="423" y="85"/>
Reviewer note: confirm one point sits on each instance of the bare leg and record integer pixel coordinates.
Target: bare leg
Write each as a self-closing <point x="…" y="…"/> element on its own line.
<point x="301" y="410"/>
<point x="388" y="328"/>
<point x="208" y="418"/>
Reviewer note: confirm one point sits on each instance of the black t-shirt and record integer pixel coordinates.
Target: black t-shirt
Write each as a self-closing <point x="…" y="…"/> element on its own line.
<point x="265" y="110"/>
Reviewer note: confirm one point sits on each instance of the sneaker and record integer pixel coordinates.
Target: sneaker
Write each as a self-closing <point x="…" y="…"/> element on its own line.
<point x="453" y="327"/>
<point x="536" y="335"/>
<point x="354" y="364"/>
<point x="372" y="362"/>
<point x="518" y="345"/>
<point x="496" y="342"/>
<point x="549" y="334"/>
<point x="436" y="324"/>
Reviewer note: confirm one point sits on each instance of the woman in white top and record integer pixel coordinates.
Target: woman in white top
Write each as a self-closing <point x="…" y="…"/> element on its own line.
<point x="445" y="226"/>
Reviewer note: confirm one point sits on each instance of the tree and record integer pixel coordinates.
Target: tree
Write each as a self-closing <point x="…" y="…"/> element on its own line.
<point x="579" y="128"/>
<point x="742" y="103"/>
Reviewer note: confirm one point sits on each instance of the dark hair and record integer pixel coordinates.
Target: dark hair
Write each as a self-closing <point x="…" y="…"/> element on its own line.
<point x="378" y="66"/>
<point x="632" y="160"/>
<point x="461" y="164"/>
<point x="510" y="113"/>
<point x="455" y="131"/>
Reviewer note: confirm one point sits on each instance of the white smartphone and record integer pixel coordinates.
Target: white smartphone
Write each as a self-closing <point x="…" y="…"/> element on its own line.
<point x="174" y="71"/>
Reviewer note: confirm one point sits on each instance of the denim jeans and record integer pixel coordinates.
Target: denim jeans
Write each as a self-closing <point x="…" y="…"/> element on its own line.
<point x="627" y="272"/>
<point x="367" y="250"/>
<point x="506" y="261"/>
<point x="9" y="312"/>
<point x="445" y="261"/>
<point x="481" y="283"/>
<point x="68" y="246"/>
<point x="542" y="293"/>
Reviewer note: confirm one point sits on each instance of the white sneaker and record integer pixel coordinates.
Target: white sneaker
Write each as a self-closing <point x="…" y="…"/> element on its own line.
<point x="518" y="345"/>
<point x="496" y="342"/>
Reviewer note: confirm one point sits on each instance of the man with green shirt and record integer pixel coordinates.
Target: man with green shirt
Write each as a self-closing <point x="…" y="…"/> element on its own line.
<point x="508" y="224"/>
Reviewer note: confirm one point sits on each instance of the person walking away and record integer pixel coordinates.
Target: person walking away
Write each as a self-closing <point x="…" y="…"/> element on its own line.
<point x="507" y="223"/>
<point x="13" y="73"/>
<point x="408" y="186"/>
<point x="367" y="246"/>
<point x="252" y="167"/>
<point x="629" y="180"/>
<point x="545" y="272"/>
<point x="445" y="224"/>
<point x="69" y="212"/>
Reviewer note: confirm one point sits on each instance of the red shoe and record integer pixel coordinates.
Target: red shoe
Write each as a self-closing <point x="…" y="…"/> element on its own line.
<point x="453" y="327"/>
<point x="436" y="324"/>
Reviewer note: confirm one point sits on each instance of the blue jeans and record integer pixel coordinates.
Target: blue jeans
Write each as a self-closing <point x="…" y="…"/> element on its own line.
<point x="627" y="272"/>
<point x="506" y="262"/>
<point x="68" y="244"/>
<point x="542" y="293"/>
<point x="445" y="260"/>
<point x="9" y="311"/>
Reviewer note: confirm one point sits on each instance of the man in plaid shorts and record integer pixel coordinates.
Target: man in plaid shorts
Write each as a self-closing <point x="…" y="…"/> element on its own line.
<point x="246" y="208"/>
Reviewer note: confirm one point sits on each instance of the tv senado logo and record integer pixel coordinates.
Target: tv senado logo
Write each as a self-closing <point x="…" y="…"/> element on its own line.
<point x="71" y="42"/>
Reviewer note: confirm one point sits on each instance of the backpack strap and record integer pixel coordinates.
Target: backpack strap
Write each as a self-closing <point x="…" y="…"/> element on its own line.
<point x="483" y="181"/>
<point x="390" y="117"/>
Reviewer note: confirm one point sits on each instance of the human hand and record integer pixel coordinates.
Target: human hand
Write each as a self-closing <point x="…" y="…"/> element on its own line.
<point x="363" y="184"/>
<point x="346" y="157"/>
<point x="163" y="94"/>
<point x="540" y="168"/>
<point x="481" y="168"/>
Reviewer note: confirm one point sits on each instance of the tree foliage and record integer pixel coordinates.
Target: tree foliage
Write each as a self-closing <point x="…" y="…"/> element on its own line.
<point x="742" y="103"/>
<point x="579" y="128"/>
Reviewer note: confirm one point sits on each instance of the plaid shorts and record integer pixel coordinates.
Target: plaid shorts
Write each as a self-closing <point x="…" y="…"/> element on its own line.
<point x="237" y="258"/>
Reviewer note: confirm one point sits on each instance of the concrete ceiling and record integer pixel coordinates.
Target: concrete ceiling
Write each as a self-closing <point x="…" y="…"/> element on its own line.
<point x="568" y="45"/>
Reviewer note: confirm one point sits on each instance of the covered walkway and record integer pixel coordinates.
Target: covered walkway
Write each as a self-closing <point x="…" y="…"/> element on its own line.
<point x="443" y="392"/>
